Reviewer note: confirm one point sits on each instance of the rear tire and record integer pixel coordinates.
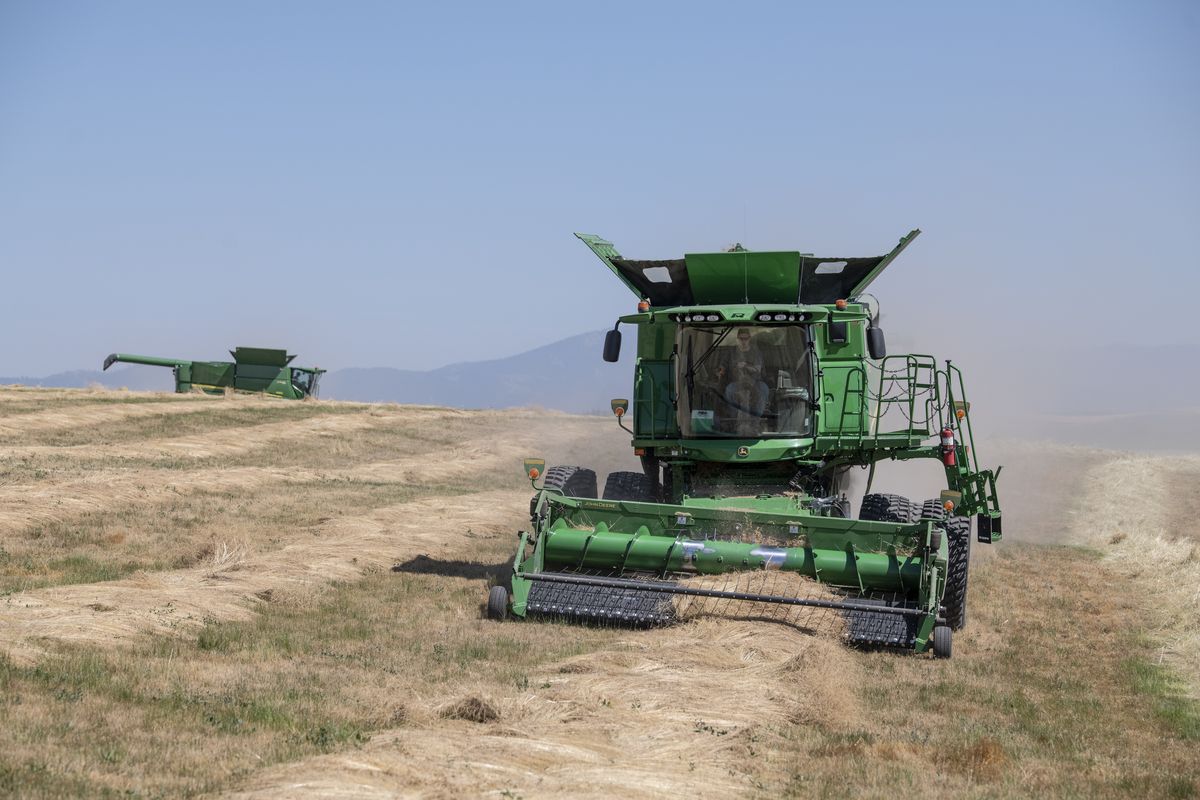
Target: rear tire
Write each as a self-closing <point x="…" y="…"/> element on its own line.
<point x="497" y="604"/>
<point x="943" y="642"/>
<point x="887" y="508"/>
<point x="629" y="486"/>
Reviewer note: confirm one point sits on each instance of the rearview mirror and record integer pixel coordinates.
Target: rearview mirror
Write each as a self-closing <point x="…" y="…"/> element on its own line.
<point x="875" y="344"/>
<point x="612" y="345"/>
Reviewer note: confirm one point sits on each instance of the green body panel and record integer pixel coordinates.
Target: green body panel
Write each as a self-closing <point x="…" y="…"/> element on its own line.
<point x="261" y="356"/>
<point x="210" y="373"/>
<point x="735" y="277"/>
<point x="654" y="413"/>
<point x="255" y="369"/>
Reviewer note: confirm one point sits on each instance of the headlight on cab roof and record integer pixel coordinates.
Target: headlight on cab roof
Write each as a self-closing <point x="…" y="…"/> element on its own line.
<point x="780" y="316"/>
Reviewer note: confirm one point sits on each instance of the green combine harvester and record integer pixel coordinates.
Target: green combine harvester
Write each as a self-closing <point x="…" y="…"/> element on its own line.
<point x="253" y="369"/>
<point x="761" y="380"/>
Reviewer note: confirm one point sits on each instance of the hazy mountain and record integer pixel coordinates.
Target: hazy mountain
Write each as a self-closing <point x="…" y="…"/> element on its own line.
<point x="142" y="379"/>
<point x="568" y="375"/>
<point x="1128" y="386"/>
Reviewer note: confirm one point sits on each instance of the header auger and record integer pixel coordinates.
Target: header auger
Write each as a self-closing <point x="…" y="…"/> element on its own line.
<point x="761" y="380"/>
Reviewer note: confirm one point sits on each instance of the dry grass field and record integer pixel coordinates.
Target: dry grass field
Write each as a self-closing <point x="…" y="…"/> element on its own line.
<point x="255" y="598"/>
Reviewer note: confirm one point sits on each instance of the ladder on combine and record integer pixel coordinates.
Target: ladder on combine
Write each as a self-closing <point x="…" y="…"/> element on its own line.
<point x="908" y="388"/>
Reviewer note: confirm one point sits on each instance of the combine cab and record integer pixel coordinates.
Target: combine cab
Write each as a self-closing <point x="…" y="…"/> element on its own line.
<point x="253" y="369"/>
<point x="761" y="380"/>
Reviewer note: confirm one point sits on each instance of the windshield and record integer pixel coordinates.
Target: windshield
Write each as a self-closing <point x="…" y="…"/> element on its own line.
<point x="305" y="382"/>
<point x="744" y="382"/>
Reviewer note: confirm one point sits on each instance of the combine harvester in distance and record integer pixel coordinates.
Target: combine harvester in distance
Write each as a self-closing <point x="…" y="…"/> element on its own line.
<point x="253" y="369"/>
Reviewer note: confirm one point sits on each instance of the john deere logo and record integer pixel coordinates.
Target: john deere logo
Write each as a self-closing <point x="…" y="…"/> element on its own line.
<point x="743" y="452"/>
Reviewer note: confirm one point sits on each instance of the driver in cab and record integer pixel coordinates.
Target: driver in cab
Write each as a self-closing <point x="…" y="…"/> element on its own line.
<point x="742" y="370"/>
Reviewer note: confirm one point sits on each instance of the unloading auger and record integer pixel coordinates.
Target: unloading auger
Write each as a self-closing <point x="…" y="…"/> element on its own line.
<point x="761" y="379"/>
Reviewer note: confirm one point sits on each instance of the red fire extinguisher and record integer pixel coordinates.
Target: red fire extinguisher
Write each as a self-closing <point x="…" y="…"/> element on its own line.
<point x="948" y="446"/>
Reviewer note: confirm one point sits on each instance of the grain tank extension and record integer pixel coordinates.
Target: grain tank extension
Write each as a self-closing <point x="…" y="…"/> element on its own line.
<point x="761" y="380"/>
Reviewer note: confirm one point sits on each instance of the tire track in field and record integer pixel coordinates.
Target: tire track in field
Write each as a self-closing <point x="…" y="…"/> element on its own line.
<point x="25" y="505"/>
<point x="1140" y="512"/>
<point x="178" y="602"/>
<point x="87" y="416"/>
<point x="340" y="549"/>
<point x="16" y="393"/>
<point x="686" y="711"/>
<point x="217" y="441"/>
<point x="579" y="735"/>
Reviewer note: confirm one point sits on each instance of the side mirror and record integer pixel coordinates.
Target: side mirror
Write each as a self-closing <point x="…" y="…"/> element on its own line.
<point x="612" y="345"/>
<point x="875" y="344"/>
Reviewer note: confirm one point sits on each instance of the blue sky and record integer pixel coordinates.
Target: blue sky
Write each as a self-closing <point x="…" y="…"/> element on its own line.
<point x="392" y="185"/>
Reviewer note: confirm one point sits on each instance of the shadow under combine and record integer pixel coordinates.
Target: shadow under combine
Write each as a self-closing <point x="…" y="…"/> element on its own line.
<point x="472" y="570"/>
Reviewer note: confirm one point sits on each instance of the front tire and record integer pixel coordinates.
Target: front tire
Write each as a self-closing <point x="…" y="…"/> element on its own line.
<point x="572" y="481"/>
<point x="629" y="486"/>
<point x="958" y="536"/>
<point x="886" y="508"/>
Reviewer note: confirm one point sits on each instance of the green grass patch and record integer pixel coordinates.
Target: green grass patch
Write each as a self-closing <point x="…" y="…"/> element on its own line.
<point x="1180" y="713"/>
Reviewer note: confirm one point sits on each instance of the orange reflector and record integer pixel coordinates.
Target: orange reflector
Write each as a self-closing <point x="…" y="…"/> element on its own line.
<point x="533" y="474"/>
<point x="644" y="305"/>
<point x="948" y="505"/>
<point x="960" y="413"/>
<point x="639" y="451"/>
<point x="841" y="305"/>
<point x="620" y="412"/>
